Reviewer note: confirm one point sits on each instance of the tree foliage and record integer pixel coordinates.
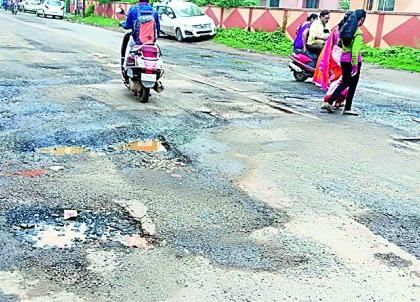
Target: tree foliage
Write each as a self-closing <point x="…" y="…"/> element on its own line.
<point x="90" y="11"/>
<point x="219" y="3"/>
<point x="345" y="4"/>
<point x="225" y="3"/>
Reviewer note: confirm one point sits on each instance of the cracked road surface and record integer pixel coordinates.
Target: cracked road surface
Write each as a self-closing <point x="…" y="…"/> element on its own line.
<point x="228" y="186"/>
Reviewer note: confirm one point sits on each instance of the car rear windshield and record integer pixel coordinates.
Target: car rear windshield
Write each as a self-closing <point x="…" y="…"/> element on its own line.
<point x="54" y="3"/>
<point x="188" y="10"/>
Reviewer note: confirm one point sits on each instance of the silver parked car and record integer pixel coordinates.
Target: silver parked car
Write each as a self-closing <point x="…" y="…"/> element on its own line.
<point x="184" y="20"/>
<point x="29" y="5"/>
<point x="53" y="8"/>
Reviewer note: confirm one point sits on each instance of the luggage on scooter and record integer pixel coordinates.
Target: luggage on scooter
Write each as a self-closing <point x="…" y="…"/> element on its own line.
<point x="145" y="27"/>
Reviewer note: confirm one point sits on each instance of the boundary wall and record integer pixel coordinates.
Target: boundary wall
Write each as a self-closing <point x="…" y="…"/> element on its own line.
<point x="381" y="29"/>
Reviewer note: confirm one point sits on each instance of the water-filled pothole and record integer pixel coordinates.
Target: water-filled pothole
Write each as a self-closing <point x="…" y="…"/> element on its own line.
<point x="48" y="228"/>
<point x="147" y="146"/>
<point x="62" y="150"/>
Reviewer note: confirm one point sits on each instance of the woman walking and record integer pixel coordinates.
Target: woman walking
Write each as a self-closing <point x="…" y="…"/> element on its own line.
<point x="351" y="40"/>
<point x="328" y="74"/>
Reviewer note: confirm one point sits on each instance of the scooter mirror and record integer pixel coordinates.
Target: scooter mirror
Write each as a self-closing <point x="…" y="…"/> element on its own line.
<point x="119" y="11"/>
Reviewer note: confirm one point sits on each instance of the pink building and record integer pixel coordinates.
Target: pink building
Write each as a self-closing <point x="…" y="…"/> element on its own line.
<point x="320" y="4"/>
<point x="407" y="6"/>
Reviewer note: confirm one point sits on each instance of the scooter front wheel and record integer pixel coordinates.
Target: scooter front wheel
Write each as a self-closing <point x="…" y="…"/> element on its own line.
<point x="300" y="76"/>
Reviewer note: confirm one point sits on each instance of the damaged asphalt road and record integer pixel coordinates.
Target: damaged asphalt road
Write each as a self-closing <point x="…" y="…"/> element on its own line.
<point x="228" y="186"/>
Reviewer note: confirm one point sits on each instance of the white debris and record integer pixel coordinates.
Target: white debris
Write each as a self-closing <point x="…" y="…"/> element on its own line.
<point x="56" y="168"/>
<point x="148" y="226"/>
<point x="135" y="207"/>
<point x="138" y="211"/>
<point x="69" y="214"/>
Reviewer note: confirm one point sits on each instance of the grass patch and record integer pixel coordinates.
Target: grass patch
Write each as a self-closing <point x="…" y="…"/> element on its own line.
<point x="95" y="20"/>
<point x="276" y="43"/>
<point x="396" y="57"/>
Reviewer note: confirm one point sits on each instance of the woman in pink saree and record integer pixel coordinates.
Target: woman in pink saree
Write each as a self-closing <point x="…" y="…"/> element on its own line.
<point x="328" y="70"/>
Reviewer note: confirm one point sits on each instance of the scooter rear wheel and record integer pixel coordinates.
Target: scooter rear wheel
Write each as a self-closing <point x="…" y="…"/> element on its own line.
<point x="144" y="95"/>
<point x="300" y="76"/>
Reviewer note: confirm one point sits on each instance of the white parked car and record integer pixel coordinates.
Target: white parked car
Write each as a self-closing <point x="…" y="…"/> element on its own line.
<point x="53" y="8"/>
<point x="29" y="5"/>
<point x="184" y="20"/>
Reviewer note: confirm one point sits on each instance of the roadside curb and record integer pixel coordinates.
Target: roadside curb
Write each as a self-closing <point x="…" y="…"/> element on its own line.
<point x="116" y="29"/>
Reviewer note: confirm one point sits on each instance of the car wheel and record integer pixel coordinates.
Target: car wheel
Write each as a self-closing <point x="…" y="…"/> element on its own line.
<point x="178" y="35"/>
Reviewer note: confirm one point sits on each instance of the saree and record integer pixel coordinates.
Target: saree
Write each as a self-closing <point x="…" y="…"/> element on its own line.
<point x="328" y="72"/>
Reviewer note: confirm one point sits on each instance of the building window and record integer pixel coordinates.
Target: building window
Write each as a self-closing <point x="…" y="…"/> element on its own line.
<point x="311" y="4"/>
<point x="386" y="5"/>
<point x="274" y="3"/>
<point x="369" y="4"/>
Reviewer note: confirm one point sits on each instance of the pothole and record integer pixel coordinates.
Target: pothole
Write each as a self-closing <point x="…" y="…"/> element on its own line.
<point x="62" y="150"/>
<point x="207" y="56"/>
<point x="65" y="236"/>
<point x="147" y="146"/>
<point x="26" y="173"/>
<point x="393" y="260"/>
<point x="45" y="66"/>
<point x="49" y="228"/>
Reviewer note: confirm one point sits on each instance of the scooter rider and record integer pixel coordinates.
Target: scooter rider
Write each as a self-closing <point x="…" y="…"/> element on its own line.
<point x="145" y="9"/>
<point x="14" y="6"/>
<point x="318" y="33"/>
<point x="6" y="4"/>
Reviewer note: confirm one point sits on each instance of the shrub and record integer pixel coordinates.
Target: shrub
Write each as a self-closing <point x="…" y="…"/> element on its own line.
<point x="90" y="11"/>
<point x="398" y="57"/>
<point x="275" y="42"/>
<point x="345" y="4"/>
<point x="225" y="3"/>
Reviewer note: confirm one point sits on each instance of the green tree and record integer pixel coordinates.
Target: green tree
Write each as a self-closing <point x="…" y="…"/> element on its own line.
<point x="225" y="3"/>
<point x="345" y="4"/>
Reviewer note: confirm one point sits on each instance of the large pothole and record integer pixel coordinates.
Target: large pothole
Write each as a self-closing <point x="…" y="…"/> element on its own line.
<point x="43" y="227"/>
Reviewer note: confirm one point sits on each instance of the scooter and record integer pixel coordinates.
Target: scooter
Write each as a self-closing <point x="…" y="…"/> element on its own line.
<point x="144" y="67"/>
<point x="303" y="65"/>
